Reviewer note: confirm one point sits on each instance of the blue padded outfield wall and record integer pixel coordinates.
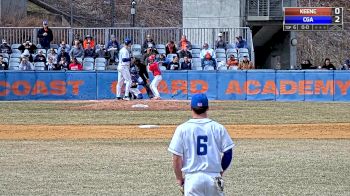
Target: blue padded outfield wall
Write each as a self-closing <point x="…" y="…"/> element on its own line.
<point x="221" y="85"/>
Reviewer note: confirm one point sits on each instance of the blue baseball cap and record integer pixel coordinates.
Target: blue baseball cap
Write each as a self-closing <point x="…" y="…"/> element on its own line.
<point x="127" y="41"/>
<point x="199" y="100"/>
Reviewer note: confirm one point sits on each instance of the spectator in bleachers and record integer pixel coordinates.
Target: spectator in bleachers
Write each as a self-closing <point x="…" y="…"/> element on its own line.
<point x="89" y="52"/>
<point x="63" y="46"/>
<point x="241" y="43"/>
<point x="75" y="65"/>
<point x="174" y="64"/>
<point x="220" y="42"/>
<point x="346" y="66"/>
<point x="149" y="52"/>
<point x="50" y="65"/>
<point x="89" y="41"/>
<point x="170" y="48"/>
<point x="328" y="65"/>
<point x="184" y="43"/>
<point x="29" y="46"/>
<point x="3" y="64"/>
<point x="45" y="35"/>
<point x="186" y="64"/>
<point x="149" y="41"/>
<point x="245" y="64"/>
<point x="77" y="37"/>
<point x="113" y="48"/>
<point x="76" y="51"/>
<point x="28" y="55"/>
<point x="5" y="48"/>
<point x="40" y="57"/>
<point x="306" y="64"/>
<point x="232" y="63"/>
<point x="52" y="54"/>
<point x="185" y="53"/>
<point x="208" y="61"/>
<point x="64" y="55"/>
<point x="103" y="53"/>
<point x="206" y="50"/>
<point x="162" y="60"/>
<point x="63" y="64"/>
<point x="25" y="64"/>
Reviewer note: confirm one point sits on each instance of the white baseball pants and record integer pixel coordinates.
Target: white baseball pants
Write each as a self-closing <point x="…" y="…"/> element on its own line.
<point x="123" y="76"/>
<point x="154" y="85"/>
<point x="201" y="184"/>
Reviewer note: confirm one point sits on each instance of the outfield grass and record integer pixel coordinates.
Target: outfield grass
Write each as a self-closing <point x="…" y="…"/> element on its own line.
<point x="118" y="167"/>
<point x="232" y="112"/>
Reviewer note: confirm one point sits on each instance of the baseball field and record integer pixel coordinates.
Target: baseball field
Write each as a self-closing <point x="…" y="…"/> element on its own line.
<point x="97" y="148"/>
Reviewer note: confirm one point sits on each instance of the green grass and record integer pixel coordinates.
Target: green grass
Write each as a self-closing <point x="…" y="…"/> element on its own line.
<point x="231" y="112"/>
<point x="119" y="167"/>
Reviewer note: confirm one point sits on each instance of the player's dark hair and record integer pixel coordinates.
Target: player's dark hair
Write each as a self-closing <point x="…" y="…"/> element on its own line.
<point x="200" y="110"/>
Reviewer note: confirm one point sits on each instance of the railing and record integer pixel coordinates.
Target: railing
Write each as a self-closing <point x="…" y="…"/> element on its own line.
<point x="199" y="36"/>
<point x="268" y="8"/>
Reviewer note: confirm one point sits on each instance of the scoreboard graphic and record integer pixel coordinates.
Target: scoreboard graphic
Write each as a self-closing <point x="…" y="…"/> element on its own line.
<point x="313" y="19"/>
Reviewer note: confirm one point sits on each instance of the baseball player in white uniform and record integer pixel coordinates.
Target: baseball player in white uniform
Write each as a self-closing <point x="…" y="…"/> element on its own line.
<point x="124" y="70"/>
<point x="202" y="151"/>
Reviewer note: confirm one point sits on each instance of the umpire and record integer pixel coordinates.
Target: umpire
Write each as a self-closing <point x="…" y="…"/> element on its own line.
<point x="145" y="77"/>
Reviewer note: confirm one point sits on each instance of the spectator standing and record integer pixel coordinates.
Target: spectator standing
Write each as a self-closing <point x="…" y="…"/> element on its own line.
<point x="245" y="64"/>
<point x="147" y="43"/>
<point x="186" y="64"/>
<point x="40" y="57"/>
<point x="89" y="52"/>
<point x="77" y="51"/>
<point x="63" y="46"/>
<point x="328" y="65"/>
<point x="206" y="50"/>
<point x="113" y="48"/>
<point x="185" y="53"/>
<point x="63" y="63"/>
<point x="5" y="48"/>
<point x="45" y="35"/>
<point x="50" y="65"/>
<point x="143" y="73"/>
<point x="174" y="64"/>
<point x="75" y="65"/>
<point x="220" y="42"/>
<point x="25" y="65"/>
<point x="184" y="43"/>
<point x="29" y="46"/>
<point x="232" y="63"/>
<point x="241" y="43"/>
<point x="208" y="61"/>
<point x="170" y="48"/>
<point x="52" y="54"/>
<point x="3" y="64"/>
<point x="89" y="41"/>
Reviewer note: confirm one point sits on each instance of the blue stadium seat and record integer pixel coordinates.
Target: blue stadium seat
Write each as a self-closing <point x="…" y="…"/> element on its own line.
<point x="196" y="46"/>
<point x="16" y="55"/>
<point x="208" y="68"/>
<point x="160" y="46"/>
<point x="88" y="59"/>
<point x="88" y="66"/>
<point x="243" y="50"/>
<point x="15" y="60"/>
<point x="161" y="51"/>
<point x="15" y="46"/>
<point x="16" y="51"/>
<point x="5" y="55"/>
<point x="196" y="51"/>
<point x="39" y="66"/>
<point x="100" y="66"/>
<point x="55" y="46"/>
<point x="219" y="50"/>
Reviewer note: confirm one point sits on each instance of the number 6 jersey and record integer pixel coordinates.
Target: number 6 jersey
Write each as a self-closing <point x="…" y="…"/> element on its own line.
<point x="201" y="143"/>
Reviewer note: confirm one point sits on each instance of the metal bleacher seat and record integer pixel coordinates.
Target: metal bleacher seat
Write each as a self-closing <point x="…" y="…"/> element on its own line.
<point x="161" y="51"/>
<point x="196" y="51"/>
<point x="88" y="66"/>
<point x="15" y="60"/>
<point x="160" y="46"/>
<point x="219" y="50"/>
<point x="39" y="66"/>
<point x="220" y="55"/>
<point x="5" y="55"/>
<point x="196" y="46"/>
<point x="55" y="46"/>
<point x="243" y="50"/>
<point x="15" y="46"/>
<point x="16" y="51"/>
<point x="100" y="60"/>
<point x="88" y="59"/>
<point x="15" y="55"/>
<point x="100" y="66"/>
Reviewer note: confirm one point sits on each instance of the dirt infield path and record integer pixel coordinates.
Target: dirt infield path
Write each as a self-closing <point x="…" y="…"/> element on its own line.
<point x="287" y="131"/>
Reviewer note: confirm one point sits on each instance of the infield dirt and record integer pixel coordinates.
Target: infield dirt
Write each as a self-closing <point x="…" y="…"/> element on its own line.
<point x="286" y="131"/>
